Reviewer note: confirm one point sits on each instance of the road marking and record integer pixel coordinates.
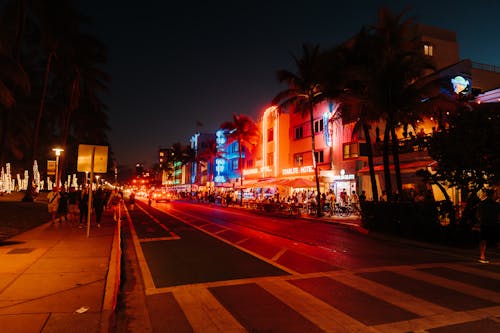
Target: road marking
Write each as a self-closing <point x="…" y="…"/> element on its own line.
<point x="173" y="235"/>
<point x="286" y="269"/>
<point x="205" y="313"/>
<point x="147" y="277"/>
<point x="279" y="254"/>
<point x="157" y="239"/>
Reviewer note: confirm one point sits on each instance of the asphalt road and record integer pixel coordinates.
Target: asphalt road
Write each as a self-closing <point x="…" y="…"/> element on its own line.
<point x="213" y="269"/>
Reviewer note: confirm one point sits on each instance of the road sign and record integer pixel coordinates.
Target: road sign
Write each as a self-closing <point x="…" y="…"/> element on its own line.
<point x="51" y="168"/>
<point x="85" y="158"/>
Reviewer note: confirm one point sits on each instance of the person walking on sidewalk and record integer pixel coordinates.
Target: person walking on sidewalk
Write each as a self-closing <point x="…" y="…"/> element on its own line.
<point x="73" y="205"/>
<point x="488" y="211"/>
<point x="99" y="203"/>
<point x="83" y="205"/>
<point x="114" y="203"/>
<point x="62" y="209"/>
<point x="53" y="203"/>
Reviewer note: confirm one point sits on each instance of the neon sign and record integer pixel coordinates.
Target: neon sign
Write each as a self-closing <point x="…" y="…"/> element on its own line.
<point x="328" y="119"/>
<point x="460" y="84"/>
<point x="255" y="171"/>
<point x="297" y="170"/>
<point x="220" y="166"/>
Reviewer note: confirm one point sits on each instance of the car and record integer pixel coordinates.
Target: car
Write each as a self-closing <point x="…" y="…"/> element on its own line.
<point x="161" y="196"/>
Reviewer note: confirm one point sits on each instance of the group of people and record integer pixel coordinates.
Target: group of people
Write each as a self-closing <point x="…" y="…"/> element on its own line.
<point x="73" y="206"/>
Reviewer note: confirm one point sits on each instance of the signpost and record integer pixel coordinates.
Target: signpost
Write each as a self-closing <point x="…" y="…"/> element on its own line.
<point x="92" y="159"/>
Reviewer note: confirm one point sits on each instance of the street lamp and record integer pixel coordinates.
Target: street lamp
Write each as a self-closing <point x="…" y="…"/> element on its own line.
<point x="58" y="153"/>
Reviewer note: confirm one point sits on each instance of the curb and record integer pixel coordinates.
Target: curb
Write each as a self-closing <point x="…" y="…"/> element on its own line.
<point x="113" y="281"/>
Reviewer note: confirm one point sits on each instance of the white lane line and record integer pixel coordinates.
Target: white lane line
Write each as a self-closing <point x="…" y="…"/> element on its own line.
<point x="172" y="234"/>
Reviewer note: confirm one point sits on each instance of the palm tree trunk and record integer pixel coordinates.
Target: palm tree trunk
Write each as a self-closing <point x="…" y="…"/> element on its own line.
<point x="395" y="157"/>
<point x="315" y="164"/>
<point x="387" y="170"/>
<point x="240" y="167"/>
<point x="371" y="166"/>
<point x="36" y="130"/>
<point x="3" y="136"/>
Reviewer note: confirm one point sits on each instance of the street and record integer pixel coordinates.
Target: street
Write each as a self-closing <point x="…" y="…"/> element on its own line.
<point x="216" y="269"/>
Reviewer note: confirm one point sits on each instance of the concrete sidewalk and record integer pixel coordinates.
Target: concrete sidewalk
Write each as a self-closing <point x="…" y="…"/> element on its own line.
<point x="55" y="279"/>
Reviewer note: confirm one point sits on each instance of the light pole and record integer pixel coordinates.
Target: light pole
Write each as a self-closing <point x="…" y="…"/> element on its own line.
<point x="58" y="153"/>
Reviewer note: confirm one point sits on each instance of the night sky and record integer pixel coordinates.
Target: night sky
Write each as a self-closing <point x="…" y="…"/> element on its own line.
<point x="174" y="64"/>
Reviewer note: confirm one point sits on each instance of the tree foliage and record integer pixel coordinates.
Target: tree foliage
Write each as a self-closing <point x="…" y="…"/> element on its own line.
<point x="467" y="152"/>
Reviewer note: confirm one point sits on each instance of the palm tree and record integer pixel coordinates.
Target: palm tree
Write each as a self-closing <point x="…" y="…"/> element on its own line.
<point x="208" y="153"/>
<point x="59" y="23"/>
<point x="245" y="132"/>
<point x="397" y="64"/>
<point x="12" y="78"/>
<point x="81" y="82"/>
<point x="342" y="76"/>
<point x="302" y="94"/>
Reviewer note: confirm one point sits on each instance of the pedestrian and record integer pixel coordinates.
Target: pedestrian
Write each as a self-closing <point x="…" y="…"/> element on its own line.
<point x="62" y="208"/>
<point x="73" y="205"/>
<point x="114" y="204"/>
<point x="53" y="203"/>
<point x="362" y="196"/>
<point x="99" y="203"/>
<point x="488" y="211"/>
<point x="131" y="201"/>
<point x="83" y="205"/>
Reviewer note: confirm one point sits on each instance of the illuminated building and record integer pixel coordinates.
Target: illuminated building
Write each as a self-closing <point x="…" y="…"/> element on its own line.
<point x="285" y="145"/>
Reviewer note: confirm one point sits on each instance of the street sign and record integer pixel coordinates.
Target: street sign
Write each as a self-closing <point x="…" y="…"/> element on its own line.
<point x="85" y="158"/>
<point x="51" y="168"/>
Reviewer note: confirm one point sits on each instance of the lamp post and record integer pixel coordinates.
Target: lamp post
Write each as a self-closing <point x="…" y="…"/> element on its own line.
<point x="58" y="153"/>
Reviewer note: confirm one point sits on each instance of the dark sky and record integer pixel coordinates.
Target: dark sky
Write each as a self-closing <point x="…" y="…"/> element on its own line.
<point x="174" y="63"/>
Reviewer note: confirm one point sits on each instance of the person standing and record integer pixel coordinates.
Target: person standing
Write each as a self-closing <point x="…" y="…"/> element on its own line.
<point x="62" y="208"/>
<point x="53" y="203"/>
<point x="114" y="203"/>
<point x="488" y="211"/>
<point x="73" y="205"/>
<point x="131" y="201"/>
<point x="99" y="203"/>
<point x="83" y="205"/>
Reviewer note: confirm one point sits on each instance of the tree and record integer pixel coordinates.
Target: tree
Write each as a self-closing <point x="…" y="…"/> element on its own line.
<point x="466" y="152"/>
<point x="343" y="73"/>
<point x="302" y="94"/>
<point x="245" y="132"/>
<point x="208" y="154"/>
<point x="393" y="66"/>
<point x="14" y="81"/>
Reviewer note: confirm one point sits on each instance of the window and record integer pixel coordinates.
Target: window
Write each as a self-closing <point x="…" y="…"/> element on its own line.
<point x="234" y="164"/>
<point x="318" y="155"/>
<point x="270" y="159"/>
<point x="298" y="132"/>
<point x="428" y="49"/>
<point x="298" y="160"/>
<point x="351" y="150"/>
<point x="318" y="126"/>
<point x="270" y="134"/>
<point x="249" y="163"/>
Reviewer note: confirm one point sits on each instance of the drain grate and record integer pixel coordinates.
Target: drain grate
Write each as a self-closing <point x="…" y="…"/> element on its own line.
<point x="21" y="251"/>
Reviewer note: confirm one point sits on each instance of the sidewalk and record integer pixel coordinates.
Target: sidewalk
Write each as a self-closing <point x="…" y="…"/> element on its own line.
<point x="55" y="279"/>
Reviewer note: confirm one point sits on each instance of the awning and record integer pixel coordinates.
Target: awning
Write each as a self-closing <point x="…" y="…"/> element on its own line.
<point x="405" y="166"/>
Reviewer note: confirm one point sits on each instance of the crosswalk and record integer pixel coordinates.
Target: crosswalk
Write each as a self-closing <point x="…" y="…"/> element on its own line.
<point x="422" y="298"/>
<point x="315" y="296"/>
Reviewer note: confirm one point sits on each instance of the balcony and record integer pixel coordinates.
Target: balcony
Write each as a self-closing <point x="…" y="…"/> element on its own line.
<point x="408" y="145"/>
